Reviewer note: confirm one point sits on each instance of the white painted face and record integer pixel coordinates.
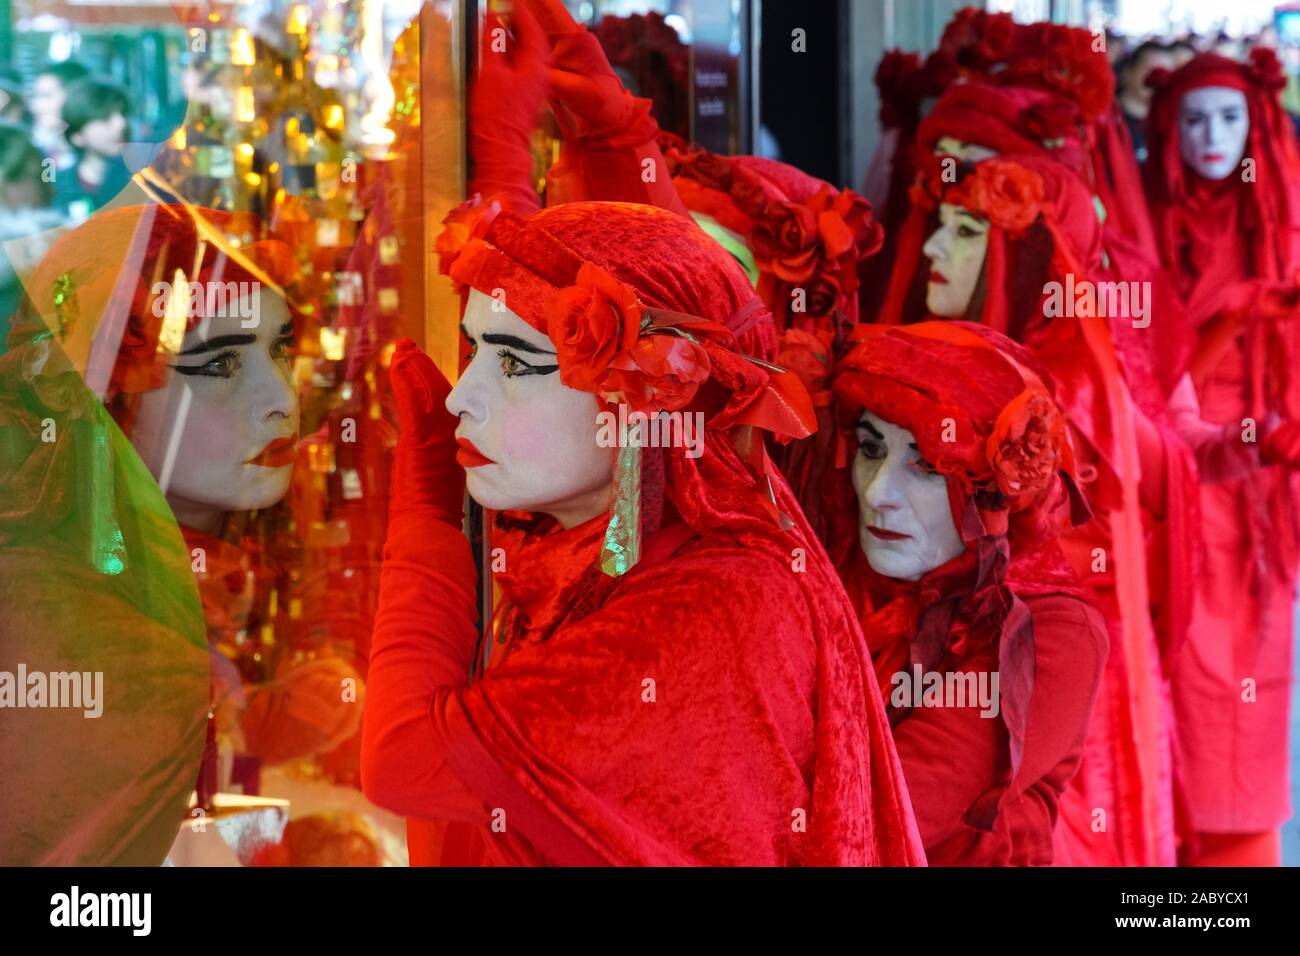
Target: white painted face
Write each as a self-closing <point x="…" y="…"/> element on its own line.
<point x="967" y="152"/>
<point x="956" y="253"/>
<point x="905" y="524"/>
<point x="1213" y="123"/>
<point x="219" y="435"/>
<point x="528" y="441"/>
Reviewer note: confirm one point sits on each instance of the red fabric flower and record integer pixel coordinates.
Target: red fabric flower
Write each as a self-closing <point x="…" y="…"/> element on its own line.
<point x="468" y="221"/>
<point x="1024" y="449"/>
<point x="1265" y="69"/>
<point x="660" y="372"/>
<point x="786" y="237"/>
<point x="1006" y="193"/>
<point x="590" y="323"/>
<point x="1052" y="119"/>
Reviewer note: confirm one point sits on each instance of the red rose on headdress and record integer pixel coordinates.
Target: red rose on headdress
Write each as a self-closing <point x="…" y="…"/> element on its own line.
<point x="786" y="236"/>
<point x="660" y="372"/>
<point x="1266" y="70"/>
<point x="1004" y="192"/>
<point x="1024" y="449"/>
<point x="468" y="221"/>
<point x="898" y="80"/>
<point x="590" y="323"/>
<point x="1051" y="119"/>
<point x="824" y="292"/>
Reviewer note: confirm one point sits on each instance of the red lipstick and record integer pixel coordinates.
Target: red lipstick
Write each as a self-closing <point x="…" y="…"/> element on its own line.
<point x="277" y="454"/>
<point x="937" y="277"/>
<point x="884" y="535"/>
<point x="469" y="456"/>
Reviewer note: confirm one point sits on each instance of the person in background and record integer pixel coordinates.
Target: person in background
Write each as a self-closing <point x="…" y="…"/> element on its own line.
<point x="1133" y="95"/>
<point x="49" y="90"/>
<point x="25" y="196"/>
<point x="95" y="117"/>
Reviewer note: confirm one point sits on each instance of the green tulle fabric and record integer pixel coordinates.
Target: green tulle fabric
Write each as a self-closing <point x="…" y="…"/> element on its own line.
<point x="95" y="578"/>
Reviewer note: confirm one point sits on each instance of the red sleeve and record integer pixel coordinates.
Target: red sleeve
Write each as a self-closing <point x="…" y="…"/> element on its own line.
<point x="1221" y="455"/>
<point x="424" y="639"/>
<point x="952" y="756"/>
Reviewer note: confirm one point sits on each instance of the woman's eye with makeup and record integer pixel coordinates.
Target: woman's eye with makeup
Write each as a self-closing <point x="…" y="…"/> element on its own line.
<point x="968" y="232"/>
<point x="872" y="449"/>
<point x="512" y="366"/>
<point x="923" y="467"/>
<point x="222" y="365"/>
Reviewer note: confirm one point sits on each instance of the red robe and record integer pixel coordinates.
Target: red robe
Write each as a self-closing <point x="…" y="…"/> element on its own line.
<point x="952" y="756"/>
<point x="710" y="707"/>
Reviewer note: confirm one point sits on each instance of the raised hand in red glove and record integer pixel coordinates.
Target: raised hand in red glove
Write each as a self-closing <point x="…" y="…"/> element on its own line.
<point x="586" y="93"/>
<point x="1281" y="446"/>
<point x="426" y="475"/>
<point x="610" y="151"/>
<point x="505" y="104"/>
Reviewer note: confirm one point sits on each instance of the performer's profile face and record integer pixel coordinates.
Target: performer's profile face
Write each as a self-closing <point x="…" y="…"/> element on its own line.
<point x="219" y="434"/>
<point x="527" y="440"/>
<point x="956" y="253"/>
<point x="966" y="152"/>
<point x="905" y="525"/>
<point x="1213" y="123"/>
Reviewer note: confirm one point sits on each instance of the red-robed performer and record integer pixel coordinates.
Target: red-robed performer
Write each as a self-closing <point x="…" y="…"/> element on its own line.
<point x="1222" y="181"/>
<point x="1007" y="230"/>
<point x="964" y="479"/>
<point x="650" y="700"/>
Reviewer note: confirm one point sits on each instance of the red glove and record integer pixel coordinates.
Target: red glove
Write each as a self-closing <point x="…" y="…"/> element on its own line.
<point x="1281" y="446"/>
<point x="426" y="474"/>
<point x="504" y="105"/>
<point x="586" y="94"/>
<point x="609" y="134"/>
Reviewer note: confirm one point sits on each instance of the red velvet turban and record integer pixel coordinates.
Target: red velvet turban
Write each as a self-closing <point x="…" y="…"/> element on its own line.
<point x="802" y="231"/>
<point x="983" y="415"/>
<point x="643" y="307"/>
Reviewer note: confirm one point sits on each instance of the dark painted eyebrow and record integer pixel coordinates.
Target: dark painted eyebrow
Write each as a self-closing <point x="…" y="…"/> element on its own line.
<point x="495" y="338"/>
<point x="220" y="342"/>
<point x="863" y="423"/>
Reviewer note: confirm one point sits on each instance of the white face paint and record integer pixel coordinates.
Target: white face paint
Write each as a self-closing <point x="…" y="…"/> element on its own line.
<point x="219" y="435"/>
<point x="966" y="152"/>
<point x="905" y="524"/>
<point x="956" y="252"/>
<point x="1213" y="123"/>
<point x="528" y="441"/>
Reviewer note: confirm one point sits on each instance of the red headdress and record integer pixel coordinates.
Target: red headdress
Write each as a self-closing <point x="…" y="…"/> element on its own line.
<point x="1008" y="120"/>
<point x="645" y="310"/>
<point x="983" y="415"/>
<point x="1043" y="226"/>
<point x="806" y="237"/>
